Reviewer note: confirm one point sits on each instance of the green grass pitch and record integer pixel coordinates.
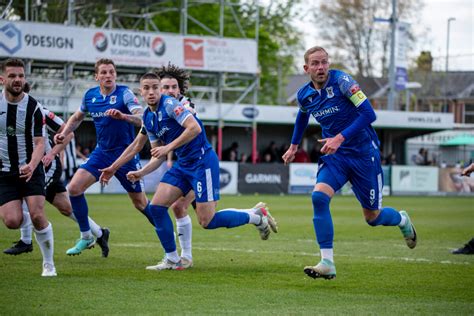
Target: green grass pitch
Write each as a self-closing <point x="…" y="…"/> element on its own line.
<point x="237" y="273"/>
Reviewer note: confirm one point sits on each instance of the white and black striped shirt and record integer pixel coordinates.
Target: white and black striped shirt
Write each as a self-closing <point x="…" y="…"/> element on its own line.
<point x="53" y="124"/>
<point x="19" y="124"/>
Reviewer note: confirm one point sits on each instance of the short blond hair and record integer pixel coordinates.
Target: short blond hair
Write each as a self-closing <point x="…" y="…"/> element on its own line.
<point x="313" y="50"/>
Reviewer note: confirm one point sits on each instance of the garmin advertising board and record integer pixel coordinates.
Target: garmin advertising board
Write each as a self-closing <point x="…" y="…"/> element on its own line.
<point x="57" y="42"/>
<point x="271" y="178"/>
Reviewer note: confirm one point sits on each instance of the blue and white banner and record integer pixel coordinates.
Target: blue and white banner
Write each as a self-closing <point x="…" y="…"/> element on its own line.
<point x="401" y="61"/>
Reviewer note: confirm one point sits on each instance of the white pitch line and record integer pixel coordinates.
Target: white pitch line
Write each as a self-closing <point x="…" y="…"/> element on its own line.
<point x="421" y="260"/>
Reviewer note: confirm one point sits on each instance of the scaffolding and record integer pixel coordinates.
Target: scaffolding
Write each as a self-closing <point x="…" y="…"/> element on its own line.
<point x="67" y="80"/>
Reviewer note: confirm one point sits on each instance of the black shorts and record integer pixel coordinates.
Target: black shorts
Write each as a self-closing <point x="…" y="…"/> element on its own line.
<point x="54" y="185"/>
<point x="12" y="187"/>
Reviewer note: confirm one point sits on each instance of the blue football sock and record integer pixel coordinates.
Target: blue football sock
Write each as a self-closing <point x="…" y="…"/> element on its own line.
<point x="229" y="219"/>
<point x="387" y="217"/>
<point x="146" y="212"/>
<point x="81" y="211"/>
<point x="322" y="220"/>
<point x="163" y="227"/>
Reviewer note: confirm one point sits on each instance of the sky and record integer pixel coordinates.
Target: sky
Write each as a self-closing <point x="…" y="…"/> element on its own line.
<point x="432" y="31"/>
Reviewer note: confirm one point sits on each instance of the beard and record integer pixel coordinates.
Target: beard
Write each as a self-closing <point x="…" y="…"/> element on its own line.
<point x="15" y="90"/>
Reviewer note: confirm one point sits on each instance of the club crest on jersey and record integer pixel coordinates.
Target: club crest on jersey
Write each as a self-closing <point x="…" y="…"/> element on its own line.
<point x="93" y="100"/>
<point x="310" y="99"/>
<point x="330" y="92"/>
<point x="113" y="99"/>
<point x="160" y="116"/>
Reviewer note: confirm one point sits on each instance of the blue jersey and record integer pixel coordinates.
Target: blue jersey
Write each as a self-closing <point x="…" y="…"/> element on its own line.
<point x="111" y="133"/>
<point x="165" y="125"/>
<point x="335" y="108"/>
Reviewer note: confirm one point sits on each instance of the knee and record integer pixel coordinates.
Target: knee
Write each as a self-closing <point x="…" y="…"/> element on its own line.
<point x="74" y="190"/>
<point x="204" y="221"/>
<point x="12" y="222"/>
<point x="179" y="210"/>
<point x="320" y="199"/>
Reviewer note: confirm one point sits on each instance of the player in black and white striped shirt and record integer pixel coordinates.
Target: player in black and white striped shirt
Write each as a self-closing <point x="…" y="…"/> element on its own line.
<point x="56" y="192"/>
<point x="21" y="149"/>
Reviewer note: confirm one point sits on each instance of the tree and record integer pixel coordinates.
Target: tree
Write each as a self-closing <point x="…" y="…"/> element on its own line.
<point x="348" y="25"/>
<point x="424" y="62"/>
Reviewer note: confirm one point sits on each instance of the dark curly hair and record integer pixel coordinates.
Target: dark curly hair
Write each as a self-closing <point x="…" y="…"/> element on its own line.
<point x="174" y="72"/>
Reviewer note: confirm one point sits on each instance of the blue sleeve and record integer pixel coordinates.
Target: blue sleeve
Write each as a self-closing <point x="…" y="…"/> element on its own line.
<point x="366" y="117"/>
<point x="302" y="119"/>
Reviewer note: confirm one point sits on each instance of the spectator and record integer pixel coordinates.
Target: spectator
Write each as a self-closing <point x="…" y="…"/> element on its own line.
<point x="301" y="156"/>
<point x="420" y="158"/>
<point x="272" y="151"/>
<point x="392" y="159"/>
<point x="243" y="158"/>
<point x="231" y="152"/>
<point x="267" y="158"/>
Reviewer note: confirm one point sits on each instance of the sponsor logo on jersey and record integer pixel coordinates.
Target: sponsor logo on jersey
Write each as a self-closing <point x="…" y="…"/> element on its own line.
<point x="162" y="132"/>
<point x="97" y="114"/>
<point x="331" y="110"/>
<point x="354" y="88"/>
<point x="358" y="98"/>
<point x="113" y="99"/>
<point x="330" y="92"/>
<point x="11" y="131"/>
<point x="10" y="38"/>
<point x="100" y="41"/>
<point x="178" y="110"/>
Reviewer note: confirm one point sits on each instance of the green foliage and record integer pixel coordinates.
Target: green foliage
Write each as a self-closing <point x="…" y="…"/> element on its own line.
<point x="237" y="273"/>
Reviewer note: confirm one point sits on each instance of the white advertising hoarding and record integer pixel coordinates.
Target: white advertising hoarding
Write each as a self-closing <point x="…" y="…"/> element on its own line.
<point x="58" y="42"/>
<point x="408" y="179"/>
<point x="302" y="177"/>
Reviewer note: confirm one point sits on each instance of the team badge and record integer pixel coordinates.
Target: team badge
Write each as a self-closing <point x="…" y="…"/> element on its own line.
<point x="93" y="100"/>
<point x="310" y="99"/>
<point x="113" y="99"/>
<point x="160" y="116"/>
<point x="330" y="92"/>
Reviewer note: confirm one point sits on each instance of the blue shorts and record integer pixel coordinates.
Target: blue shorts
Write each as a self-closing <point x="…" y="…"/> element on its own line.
<point x="202" y="177"/>
<point x="364" y="173"/>
<point x="100" y="159"/>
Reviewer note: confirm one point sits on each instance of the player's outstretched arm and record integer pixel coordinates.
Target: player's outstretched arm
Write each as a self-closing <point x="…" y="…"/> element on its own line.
<point x="152" y="165"/>
<point x="135" y="118"/>
<point x="468" y="170"/>
<point x="191" y="130"/>
<point x="289" y="155"/>
<point x="72" y="124"/>
<point x="134" y="148"/>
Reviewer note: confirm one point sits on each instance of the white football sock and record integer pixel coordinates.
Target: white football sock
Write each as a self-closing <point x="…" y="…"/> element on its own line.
<point x="45" y="241"/>
<point x="327" y="254"/>
<point x="87" y="235"/>
<point x="95" y="229"/>
<point x="26" y="227"/>
<point x="403" y="221"/>
<point x="173" y="256"/>
<point x="185" y="233"/>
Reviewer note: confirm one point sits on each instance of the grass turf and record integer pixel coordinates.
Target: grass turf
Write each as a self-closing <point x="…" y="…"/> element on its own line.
<point x="237" y="273"/>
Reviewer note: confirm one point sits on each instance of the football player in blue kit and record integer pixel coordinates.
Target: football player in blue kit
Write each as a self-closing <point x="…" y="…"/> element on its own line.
<point x="173" y="82"/>
<point x="351" y="150"/>
<point x="115" y="111"/>
<point x="171" y="127"/>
